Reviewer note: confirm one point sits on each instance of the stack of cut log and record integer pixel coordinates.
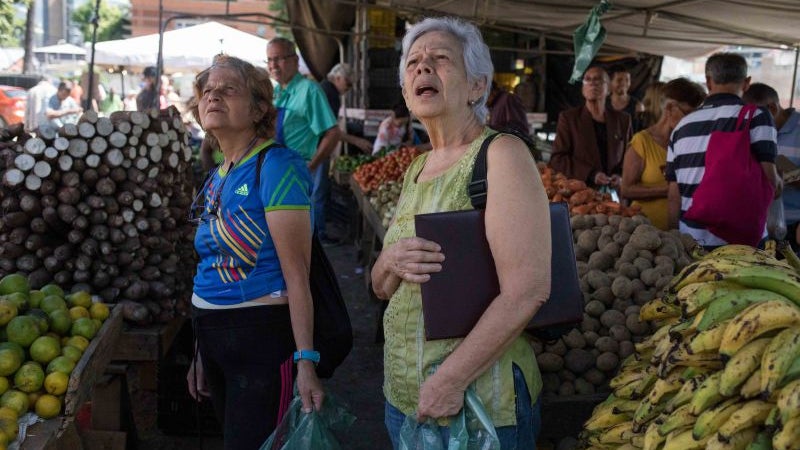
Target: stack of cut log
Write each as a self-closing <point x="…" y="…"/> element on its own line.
<point x="102" y="205"/>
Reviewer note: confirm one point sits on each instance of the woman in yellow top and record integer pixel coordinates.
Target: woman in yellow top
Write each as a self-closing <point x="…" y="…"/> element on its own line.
<point x="643" y="167"/>
<point x="445" y="74"/>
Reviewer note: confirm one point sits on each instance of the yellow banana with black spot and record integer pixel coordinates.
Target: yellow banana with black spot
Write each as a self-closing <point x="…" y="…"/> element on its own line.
<point x="730" y="304"/>
<point x="697" y="297"/>
<point x="682" y="440"/>
<point x="788" y="437"/>
<point x="756" y="320"/>
<point x="708" y="340"/>
<point x="739" y="441"/>
<point x="741" y="365"/>
<point x="707" y="395"/>
<point x="679" y="419"/>
<point x="752" y="387"/>
<point x="685" y="393"/>
<point x="652" y="439"/>
<point x="788" y="401"/>
<point x="752" y="413"/>
<point x="709" y="421"/>
<point x="779" y="355"/>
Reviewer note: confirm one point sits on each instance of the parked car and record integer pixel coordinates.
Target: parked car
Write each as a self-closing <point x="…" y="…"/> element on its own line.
<point x="12" y="105"/>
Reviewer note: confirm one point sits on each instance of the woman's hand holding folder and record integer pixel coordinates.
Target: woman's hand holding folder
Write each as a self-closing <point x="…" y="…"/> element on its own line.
<point x="411" y="259"/>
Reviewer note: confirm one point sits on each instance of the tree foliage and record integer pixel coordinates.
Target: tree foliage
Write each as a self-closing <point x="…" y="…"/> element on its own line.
<point x="110" y="23"/>
<point x="11" y="27"/>
<point x="278" y="9"/>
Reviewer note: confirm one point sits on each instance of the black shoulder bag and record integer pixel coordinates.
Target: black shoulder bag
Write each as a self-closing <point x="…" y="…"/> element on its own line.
<point x="333" y="333"/>
<point x="563" y="311"/>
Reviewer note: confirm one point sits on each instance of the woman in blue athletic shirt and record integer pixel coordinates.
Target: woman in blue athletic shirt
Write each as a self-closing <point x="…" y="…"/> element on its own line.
<point x="252" y="308"/>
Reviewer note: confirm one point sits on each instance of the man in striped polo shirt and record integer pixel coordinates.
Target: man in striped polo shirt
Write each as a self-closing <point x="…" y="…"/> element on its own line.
<point x="726" y="78"/>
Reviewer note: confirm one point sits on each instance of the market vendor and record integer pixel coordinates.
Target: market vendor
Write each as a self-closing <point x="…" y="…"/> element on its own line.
<point x="591" y="138"/>
<point x="305" y="121"/>
<point x="251" y="304"/>
<point x="445" y="74"/>
<point x="393" y="130"/>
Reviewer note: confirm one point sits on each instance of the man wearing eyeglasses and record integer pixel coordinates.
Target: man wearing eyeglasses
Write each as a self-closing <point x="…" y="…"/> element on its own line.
<point x="591" y="139"/>
<point x="339" y="82"/>
<point x="305" y="121"/>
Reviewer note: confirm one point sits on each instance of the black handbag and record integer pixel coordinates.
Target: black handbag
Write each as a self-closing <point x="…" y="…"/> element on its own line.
<point x="333" y="332"/>
<point x="563" y="311"/>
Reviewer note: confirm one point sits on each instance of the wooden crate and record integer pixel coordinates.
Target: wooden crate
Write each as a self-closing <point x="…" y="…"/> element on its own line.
<point x="60" y="432"/>
<point x="148" y="343"/>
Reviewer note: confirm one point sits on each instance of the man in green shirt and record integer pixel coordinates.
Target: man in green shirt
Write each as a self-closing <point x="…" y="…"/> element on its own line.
<point x="305" y="121"/>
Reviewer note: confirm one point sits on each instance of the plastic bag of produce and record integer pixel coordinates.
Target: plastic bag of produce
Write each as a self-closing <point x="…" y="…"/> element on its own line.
<point x="303" y="431"/>
<point x="470" y="429"/>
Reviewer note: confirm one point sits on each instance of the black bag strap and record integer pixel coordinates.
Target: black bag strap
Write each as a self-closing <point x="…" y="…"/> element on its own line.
<point x="260" y="161"/>
<point x="478" y="185"/>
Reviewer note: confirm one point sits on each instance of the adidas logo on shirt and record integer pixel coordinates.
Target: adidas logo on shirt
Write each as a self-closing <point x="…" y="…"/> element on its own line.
<point x="242" y="190"/>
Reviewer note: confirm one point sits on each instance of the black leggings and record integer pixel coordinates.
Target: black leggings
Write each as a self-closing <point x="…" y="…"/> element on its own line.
<point x="246" y="356"/>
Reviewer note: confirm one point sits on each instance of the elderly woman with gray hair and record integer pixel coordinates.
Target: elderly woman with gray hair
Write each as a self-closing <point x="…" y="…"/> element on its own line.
<point x="445" y="75"/>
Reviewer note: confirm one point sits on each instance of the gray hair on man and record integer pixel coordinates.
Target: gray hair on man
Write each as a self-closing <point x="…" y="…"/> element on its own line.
<point x="726" y="68"/>
<point x="477" y="59"/>
<point x="341" y="70"/>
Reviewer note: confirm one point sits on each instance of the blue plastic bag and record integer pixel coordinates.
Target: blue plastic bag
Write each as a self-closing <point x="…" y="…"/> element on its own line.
<point x="470" y="429"/>
<point x="303" y="431"/>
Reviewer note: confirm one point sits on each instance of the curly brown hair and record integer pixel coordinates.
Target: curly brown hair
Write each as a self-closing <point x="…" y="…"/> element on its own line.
<point x="256" y="81"/>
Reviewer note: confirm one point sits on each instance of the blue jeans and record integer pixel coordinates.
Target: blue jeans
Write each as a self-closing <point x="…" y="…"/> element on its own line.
<point x="520" y="437"/>
<point x="319" y="196"/>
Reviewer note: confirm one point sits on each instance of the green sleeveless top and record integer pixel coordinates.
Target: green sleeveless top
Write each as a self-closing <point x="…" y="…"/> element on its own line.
<point x="408" y="357"/>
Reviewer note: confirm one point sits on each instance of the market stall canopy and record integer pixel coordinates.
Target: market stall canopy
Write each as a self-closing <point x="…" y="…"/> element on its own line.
<point x="679" y="28"/>
<point x="184" y="49"/>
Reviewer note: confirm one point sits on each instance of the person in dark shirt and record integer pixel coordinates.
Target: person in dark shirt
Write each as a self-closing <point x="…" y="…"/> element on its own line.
<point x="620" y="99"/>
<point x="591" y="138"/>
<point x="506" y="111"/>
<point x="148" y="97"/>
<point x="338" y="82"/>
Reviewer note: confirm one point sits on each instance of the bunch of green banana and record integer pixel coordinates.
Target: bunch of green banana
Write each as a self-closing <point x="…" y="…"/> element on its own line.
<point x="723" y="369"/>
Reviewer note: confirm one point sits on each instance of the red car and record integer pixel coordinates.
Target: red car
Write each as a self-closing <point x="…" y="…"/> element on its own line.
<point x="12" y="105"/>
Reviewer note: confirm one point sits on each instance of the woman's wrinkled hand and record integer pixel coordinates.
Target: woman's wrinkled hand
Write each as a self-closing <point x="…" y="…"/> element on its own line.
<point x="414" y="259"/>
<point x="198" y="388"/>
<point x="438" y="398"/>
<point x="309" y="387"/>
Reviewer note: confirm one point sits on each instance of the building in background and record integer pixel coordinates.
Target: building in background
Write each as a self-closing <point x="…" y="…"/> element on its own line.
<point x="144" y="18"/>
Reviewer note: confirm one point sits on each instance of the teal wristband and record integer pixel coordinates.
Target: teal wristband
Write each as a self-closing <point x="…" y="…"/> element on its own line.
<point x="310" y="355"/>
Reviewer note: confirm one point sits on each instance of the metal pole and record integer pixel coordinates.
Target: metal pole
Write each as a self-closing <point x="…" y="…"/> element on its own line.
<point x="794" y="75"/>
<point x="95" y="19"/>
<point x="160" y="58"/>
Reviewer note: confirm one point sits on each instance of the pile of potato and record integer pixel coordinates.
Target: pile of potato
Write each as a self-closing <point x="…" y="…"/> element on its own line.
<point x="623" y="262"/>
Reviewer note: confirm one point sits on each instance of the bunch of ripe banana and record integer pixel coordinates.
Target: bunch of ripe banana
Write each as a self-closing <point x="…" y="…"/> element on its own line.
<point x="722" y="371"/>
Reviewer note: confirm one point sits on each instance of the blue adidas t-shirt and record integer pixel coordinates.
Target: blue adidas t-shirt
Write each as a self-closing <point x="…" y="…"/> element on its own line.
<point x="238" y="260"/>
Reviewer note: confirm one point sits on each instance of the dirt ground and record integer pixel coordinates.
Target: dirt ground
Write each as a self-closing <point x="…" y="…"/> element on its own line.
<point x="357" y="382"/>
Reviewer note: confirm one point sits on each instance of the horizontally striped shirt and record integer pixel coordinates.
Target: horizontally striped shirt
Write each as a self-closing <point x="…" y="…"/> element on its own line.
<point x="686" y="153"/>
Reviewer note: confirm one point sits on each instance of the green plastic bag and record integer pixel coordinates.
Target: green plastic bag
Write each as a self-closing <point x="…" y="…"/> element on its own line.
<point x="587" y="40"/>
<point x="303" y="431"/>
<point x="470" y="429"/>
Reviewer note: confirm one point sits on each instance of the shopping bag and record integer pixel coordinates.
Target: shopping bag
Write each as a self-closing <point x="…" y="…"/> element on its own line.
<point x="587" y="40"/>
<point x="470" y="429"/>
<point x="732" y="178"/>
<point x="314" y="430"/>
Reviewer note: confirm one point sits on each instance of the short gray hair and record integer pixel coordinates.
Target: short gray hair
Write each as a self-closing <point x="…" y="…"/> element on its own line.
<point x="341" y="70"/>
<point x="726" y="68"/>
<point x="283" y="42"/>
<point x="477" y="59"/>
